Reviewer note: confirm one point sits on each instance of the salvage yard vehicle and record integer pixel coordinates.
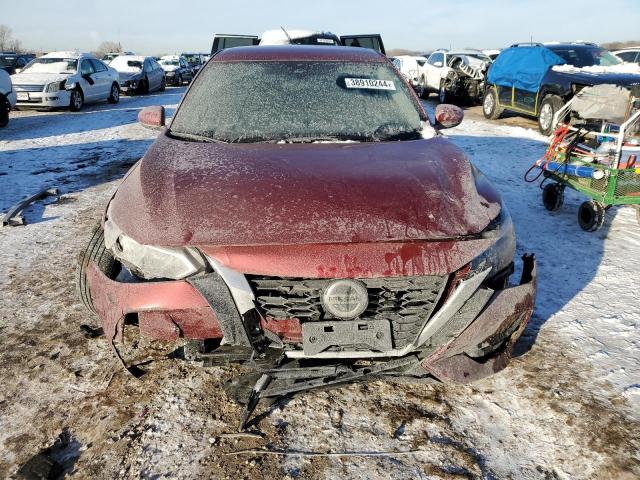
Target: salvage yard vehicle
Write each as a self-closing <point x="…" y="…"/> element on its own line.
<point x="298" y="37"/>
<point x="310" y="237"/>
<point x="138" y="74"/>
<point x="107" y="57"/>
<point x="538" y="79"/>
<point x="195" y="60"/>
<point x="176" y="70"/>
<point x="7" y="98"/>
<point x="412" y="68"/>
<point x="13" y="63"/>
<point x="66" y="80"/>
<point x="457" y="76"/>
<point x="629" y="55"/>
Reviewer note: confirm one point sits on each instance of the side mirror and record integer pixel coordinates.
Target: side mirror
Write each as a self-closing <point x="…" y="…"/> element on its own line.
<point x="152" y="117"/>
<point x="88" y="78"/>
<point x="17" y="70"/>
<point x="448" y="116"/>
<point x="437" y="64"/>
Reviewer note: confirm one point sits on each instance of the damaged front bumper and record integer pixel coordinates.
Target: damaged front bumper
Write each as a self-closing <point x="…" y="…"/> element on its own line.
<point x="469" y="337"/>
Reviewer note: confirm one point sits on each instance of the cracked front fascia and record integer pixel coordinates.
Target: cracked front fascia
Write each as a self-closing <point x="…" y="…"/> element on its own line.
<point x="449" y="363"/>
<point x="113" y="300"/>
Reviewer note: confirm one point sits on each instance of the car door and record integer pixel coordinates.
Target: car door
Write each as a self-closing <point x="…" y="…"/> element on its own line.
<point x="372" y="41"/>
<point x="102" y="79"/>
<point x="147" y="70"/>
<point x="157" y="72"/>
<point x="433" y="70"/>
<point x="187" y="71"/>
<point x="223" y="41"/>
<point x="88" y="84"/>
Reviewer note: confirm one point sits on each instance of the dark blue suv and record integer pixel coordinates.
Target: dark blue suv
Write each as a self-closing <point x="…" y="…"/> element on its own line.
<point x="523" y="78"/>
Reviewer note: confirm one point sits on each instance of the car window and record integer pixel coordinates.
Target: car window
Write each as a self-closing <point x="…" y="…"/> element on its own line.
<point x="581" y="56"/>
<point x="98" y="66"/>
<point x="628" y="56"/>
<point x="86" y="68"/>
<point x="287" y="100"/>
<point x="436" y="57"/>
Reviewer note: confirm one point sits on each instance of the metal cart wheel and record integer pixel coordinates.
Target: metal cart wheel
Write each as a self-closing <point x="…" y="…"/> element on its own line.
<point x="591" y="216"/>
<point x="553" y="196"/>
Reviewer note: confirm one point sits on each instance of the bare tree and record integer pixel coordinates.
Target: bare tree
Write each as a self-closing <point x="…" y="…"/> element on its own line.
<point x="5" y="38"/>
<point x="107" y="47"/>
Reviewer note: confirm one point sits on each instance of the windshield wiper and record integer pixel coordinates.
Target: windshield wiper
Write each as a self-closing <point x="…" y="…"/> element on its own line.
<point x="194" y="138"/>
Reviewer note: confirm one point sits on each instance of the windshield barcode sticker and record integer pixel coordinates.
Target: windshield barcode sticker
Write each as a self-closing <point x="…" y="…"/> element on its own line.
<point x="370" y="83"/>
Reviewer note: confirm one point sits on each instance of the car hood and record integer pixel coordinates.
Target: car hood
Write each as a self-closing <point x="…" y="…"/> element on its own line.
<point x="38" y="78"/>
<point x="599" y="75"/>
<point x="191" y="193"/>
<point x="124" y="76"/>
<point x="170" y="68"/>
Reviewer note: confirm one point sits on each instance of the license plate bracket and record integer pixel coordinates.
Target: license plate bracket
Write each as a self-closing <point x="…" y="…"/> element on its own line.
<point x="23" y="96"/>
<point x="372" y="334"/>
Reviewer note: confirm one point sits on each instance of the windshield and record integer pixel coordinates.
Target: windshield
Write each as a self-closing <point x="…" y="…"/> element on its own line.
<point x="586" y="56"/>
<point x="192" y="59"/>
<point x="298" y="101"/>
<point x="170" y="62"/>
<point x="52" y="65"/>
<point x="124" y="64"/>
<point x="8" y="61"/>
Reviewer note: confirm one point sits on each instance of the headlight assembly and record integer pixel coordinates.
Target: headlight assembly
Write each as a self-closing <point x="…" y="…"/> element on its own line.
<point x="500" y="254"/>
<point x="152" y="262"/>
<point x="56" y="86"/>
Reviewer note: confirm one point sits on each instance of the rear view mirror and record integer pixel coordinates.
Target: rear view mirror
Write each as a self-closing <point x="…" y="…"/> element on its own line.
<point x="448" y="116"/>
<point x="153" y="117"/>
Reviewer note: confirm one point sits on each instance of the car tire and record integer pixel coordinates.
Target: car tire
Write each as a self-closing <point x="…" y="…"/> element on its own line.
<point x="163" y="85"/>
<point x="490" y="105"/>
<point x="425" y="89"/>
<point x="591" y="216"/>
<point x="4" y="111"/>
<point x="553" y="196"/>
<point x="114" y="97"/>
<point x="77" y="100"/>
<point x="548" y="108"/>
<point x="179" y="82"/>
<point x="97" y="252"/>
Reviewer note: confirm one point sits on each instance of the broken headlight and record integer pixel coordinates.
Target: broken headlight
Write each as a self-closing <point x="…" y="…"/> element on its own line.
<point x="149" y="261"/>
<point x="499" y="255"/>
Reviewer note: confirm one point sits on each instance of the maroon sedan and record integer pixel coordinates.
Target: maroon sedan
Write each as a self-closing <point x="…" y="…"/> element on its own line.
<point x="301" y="209"/>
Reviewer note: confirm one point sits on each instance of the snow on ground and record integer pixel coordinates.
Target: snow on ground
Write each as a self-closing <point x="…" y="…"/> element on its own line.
<point x="567" y="406"/>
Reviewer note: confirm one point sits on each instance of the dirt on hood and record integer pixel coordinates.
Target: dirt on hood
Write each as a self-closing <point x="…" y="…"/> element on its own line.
<point x="192" y="193"/>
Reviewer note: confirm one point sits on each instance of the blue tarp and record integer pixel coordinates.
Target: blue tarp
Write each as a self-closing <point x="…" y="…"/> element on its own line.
<point x="522" y="67"/>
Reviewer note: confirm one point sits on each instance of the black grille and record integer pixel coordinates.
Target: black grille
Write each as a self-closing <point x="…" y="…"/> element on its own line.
<point x="407" y="302"/>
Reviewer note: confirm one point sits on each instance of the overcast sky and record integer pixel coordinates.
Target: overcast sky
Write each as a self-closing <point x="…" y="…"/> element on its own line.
<point x="168" y="26"/>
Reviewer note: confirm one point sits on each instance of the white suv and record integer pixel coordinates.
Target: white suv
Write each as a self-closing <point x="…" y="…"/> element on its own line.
<point x="7" y="98"/>
<point x="66" y="79"/>
<point x="438" y="67"/>
<point x="629" y="55"/>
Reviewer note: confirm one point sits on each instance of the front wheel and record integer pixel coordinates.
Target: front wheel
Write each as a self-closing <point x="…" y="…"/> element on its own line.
<point x="179" y="83"/>
<point x="114" y="96"/>
<point x="95" y="251"/>
<point x="4" y="111"/>
<point x="77" y="100"/>
<point x="163" y="85"/>
<point x="490" y="105"/>
<point x="591" y="216"/>
<point x="548" y="109"/>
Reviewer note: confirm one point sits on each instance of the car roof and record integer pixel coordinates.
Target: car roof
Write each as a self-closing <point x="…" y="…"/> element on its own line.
<point x="140" y="58"/>
<point x="67" y="54"/>
<point x="299" y="52"/>
<point x="629" y="49"/>
<point x="170" y="57"/>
